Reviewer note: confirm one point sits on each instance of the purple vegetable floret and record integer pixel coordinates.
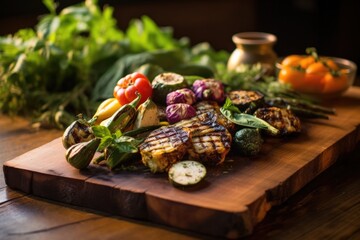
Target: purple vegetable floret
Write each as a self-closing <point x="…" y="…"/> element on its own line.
<point x="179" y="111"/>
<point x="183" y="95"/>
<point x="209" y="89"/>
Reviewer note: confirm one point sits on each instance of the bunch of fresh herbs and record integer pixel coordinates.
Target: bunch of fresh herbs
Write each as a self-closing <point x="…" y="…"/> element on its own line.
<point x="71" y="60"/>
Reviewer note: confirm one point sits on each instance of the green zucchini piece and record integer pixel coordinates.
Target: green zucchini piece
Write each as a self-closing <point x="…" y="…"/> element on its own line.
<point x="80" y="155"/>
<point x="165" y="83"/>
<point x="186" y="173"/>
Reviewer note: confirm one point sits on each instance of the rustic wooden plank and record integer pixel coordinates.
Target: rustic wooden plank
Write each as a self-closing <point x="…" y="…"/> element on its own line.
<point x="31" y="218"/>
<point x="19" y="138"/>
<point x="236" y="196"/>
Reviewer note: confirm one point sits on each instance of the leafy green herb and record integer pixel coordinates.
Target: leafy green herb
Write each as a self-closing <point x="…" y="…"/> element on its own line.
<point x="48" y="71"/>
<point x="101" y="131"/>
<point x="117" y="147"/>
<point x="232" y="113"/>
<point x="72" y="58"/>
<point x="228" y="105"/>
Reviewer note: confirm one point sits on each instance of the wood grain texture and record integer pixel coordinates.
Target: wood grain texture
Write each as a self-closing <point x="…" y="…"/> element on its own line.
<point x="326" y="208"/>
<point x="32" y="218"/>
<point x="17" y="137"/>
<point x="234" y="199"/>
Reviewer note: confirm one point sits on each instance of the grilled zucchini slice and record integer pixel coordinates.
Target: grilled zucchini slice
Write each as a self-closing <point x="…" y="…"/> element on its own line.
<point x="186" y="173"/>
<point x="165" y="83"/>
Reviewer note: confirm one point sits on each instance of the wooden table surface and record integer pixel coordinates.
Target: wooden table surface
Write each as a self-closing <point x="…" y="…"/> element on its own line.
<point x="326" y="208"/>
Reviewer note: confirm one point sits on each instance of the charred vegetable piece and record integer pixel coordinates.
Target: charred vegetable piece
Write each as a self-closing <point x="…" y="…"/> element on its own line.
<point x="147" y="115"/>
<point x="122" y="118"/>
<point x="214" y="108"/>
<point x="80" y="155"/>
<point x="164" y="147"/>
<point x="246" y="101"/>
<point x="233" y="114"/>
<point x="183" y="95"/>
<point x="165" y="83"/>
<point x="77" y="132"/>
<point x="209" y="89"/>
<point x="186" y="173"/>
<point x="248" y="141"/>
<point x="210" y="143"/>
<point x="196" y="121"/>
<point x="280" y="118"/>
<point x="179" y="111"/>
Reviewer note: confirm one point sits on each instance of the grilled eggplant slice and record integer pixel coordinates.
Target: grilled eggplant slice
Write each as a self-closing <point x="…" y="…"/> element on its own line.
<point x="213" y="108"/>
<point x="247" y="101"/>
<point x="164" y="147"/>
<point x="197" y="121"/>
<point x="281" y="118"/>
<point x="210" y="143"/>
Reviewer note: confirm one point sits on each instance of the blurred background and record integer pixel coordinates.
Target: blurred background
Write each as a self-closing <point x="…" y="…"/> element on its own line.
<point x="330" y="26"/>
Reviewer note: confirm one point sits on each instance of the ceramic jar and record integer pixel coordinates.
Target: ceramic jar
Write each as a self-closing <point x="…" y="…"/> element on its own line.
<point x="251" y="48"/>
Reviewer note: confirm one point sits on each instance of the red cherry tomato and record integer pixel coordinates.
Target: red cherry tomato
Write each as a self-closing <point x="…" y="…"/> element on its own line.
<point x="127" y="88"/>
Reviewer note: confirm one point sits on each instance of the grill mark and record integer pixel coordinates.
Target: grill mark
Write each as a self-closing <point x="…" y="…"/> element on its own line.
<point x="210" y="143"/>
<point x="216" y="144"/>
<point x="196" y="121"/>
<point x="282" y="119"/>
<point x="164" y="137"/>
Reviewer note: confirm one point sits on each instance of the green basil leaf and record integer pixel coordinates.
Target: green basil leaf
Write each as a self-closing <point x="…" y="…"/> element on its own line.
<point x="105" y="142"/>
<point x="126" y="147"/>
<point x="228" y="105"/>
<point x="101" y="131"/>
<point x="127" y="144"/>
<point x="117" y="134"/>
<point x="248" y="120"/>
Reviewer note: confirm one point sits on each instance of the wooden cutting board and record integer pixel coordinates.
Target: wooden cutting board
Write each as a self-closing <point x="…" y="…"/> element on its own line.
<point x="233" y="199"/>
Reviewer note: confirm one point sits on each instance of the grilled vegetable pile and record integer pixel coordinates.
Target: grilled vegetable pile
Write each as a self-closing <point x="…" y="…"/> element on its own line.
<point x="194" y="123"/>
<point x="154" y="99"/>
